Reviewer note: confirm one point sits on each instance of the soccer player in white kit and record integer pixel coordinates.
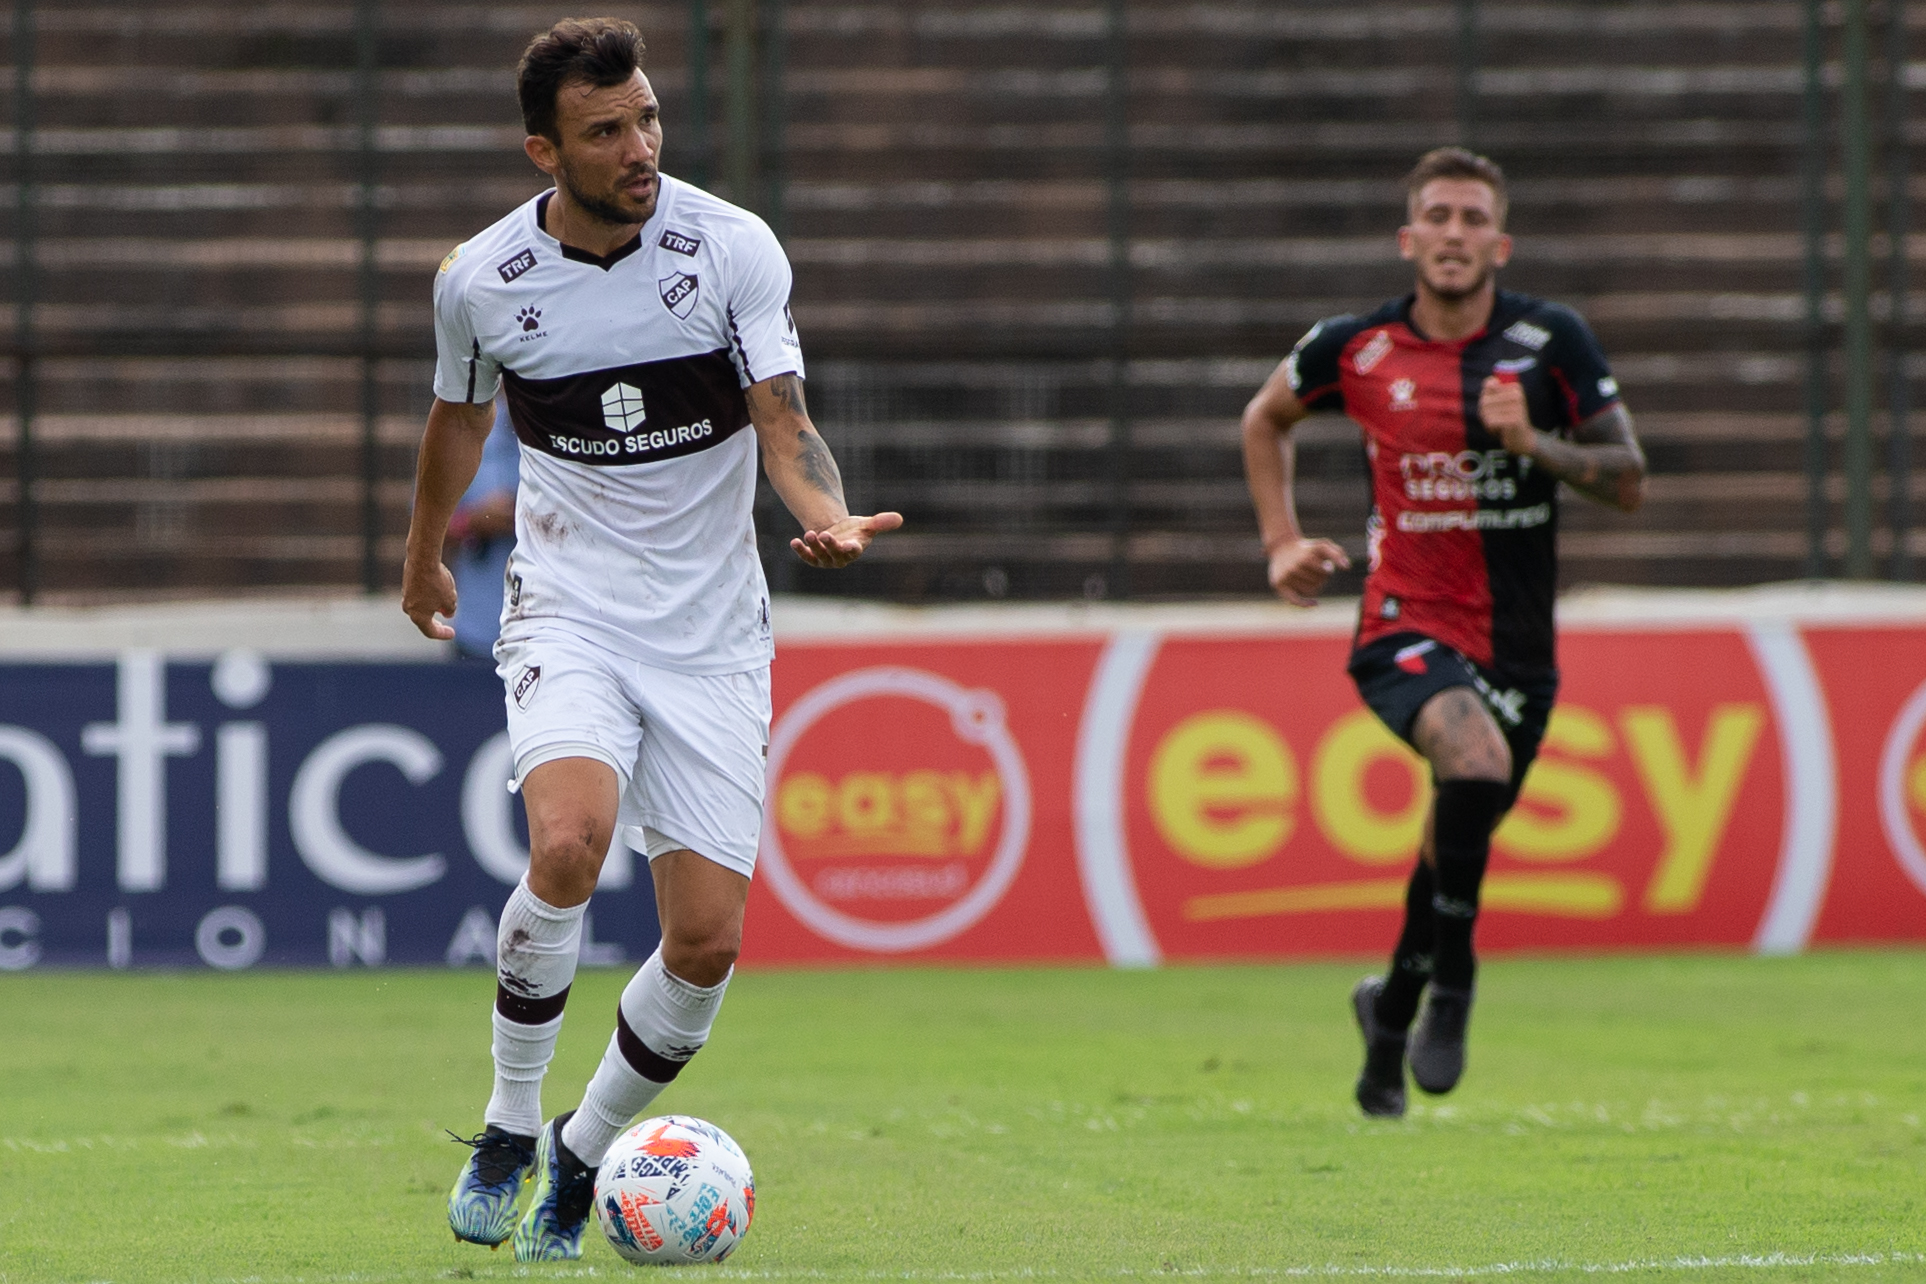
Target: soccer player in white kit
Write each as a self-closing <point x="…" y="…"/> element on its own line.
<point x="639" y="324"/>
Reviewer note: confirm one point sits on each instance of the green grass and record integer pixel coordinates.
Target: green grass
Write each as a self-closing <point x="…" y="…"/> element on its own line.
<point x="1680" y="1117"/>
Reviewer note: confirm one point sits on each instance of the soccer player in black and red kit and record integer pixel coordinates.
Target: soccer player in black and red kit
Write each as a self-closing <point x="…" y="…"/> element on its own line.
<point x="1475" y="404"/>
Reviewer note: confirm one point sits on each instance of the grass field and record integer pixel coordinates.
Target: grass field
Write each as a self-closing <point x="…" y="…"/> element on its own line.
<point x="1688" y="1117"/>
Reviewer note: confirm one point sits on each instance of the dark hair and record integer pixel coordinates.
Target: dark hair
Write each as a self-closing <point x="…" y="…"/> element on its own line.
<point x="594" y="51"/>
<point x="1456" y="162"/>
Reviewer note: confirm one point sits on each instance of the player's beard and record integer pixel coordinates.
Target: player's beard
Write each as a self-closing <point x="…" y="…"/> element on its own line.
<point x="604" y="207"/>
<point x="1458" y="294"/>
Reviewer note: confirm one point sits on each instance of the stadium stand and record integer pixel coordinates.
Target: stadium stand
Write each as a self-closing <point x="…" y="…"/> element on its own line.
<point x="946" y="198"/>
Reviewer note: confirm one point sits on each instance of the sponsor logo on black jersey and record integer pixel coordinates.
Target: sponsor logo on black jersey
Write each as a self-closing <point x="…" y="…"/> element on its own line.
<point x="679" y="243"/>
<point x="679" y="292"/>
<point x="634" y="414"/>
<point x="1528" y="335"/>
<point x="516" y="266"/>
<point x="530" y="320"/>
<point x="622" y="408"/>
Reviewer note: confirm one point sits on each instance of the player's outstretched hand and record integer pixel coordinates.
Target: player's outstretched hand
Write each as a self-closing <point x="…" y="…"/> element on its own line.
<point x="428" y="590"/>
<point x="1501" y="404"/>
<point x="844" y="542"/>
<point x="1300" y="568"/>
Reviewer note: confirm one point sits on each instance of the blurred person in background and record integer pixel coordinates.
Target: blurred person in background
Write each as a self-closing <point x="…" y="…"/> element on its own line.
<point x="481" y="535"/>
<point x="1475" y="404"/>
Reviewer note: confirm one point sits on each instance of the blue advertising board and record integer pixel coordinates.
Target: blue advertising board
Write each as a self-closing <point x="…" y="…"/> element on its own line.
<point x="241" y="813"/>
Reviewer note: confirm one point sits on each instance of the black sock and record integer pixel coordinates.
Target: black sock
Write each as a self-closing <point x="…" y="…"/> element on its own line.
<point x="1466" y="811"/>
<point x="1411" y="960"/>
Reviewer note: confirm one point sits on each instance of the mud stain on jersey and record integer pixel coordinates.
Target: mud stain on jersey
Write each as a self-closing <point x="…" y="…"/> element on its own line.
<point x="553" y="528"/>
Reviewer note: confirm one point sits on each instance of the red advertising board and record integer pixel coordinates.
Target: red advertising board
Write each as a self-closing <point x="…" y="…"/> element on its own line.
<point x="1145" y="794"/>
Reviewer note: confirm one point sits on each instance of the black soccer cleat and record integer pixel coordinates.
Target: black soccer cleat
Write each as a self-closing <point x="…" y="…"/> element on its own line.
<point x="1438" y="1041"/>
<point x="1380" y="1088"/>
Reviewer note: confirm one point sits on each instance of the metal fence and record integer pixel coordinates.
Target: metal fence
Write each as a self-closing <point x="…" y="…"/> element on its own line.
<point x="1043" y="255"/>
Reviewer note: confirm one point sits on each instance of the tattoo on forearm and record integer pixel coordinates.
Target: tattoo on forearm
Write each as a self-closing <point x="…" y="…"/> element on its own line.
<point x="817" y="464"/>
<point x="788" y="392"/>
<point x="1601" y="461"/>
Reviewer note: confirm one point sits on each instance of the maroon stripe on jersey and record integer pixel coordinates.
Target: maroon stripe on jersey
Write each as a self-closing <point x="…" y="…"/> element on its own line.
<point x="635" y="414"/>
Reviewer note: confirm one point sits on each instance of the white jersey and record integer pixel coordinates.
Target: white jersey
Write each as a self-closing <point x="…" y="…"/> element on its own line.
<point x="625" y="381"/>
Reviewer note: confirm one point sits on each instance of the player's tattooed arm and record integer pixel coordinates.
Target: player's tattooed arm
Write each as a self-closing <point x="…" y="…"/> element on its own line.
<point x="818" y="465"/>
<point x="804" y="474"/>
<point x="1601" y="459"/>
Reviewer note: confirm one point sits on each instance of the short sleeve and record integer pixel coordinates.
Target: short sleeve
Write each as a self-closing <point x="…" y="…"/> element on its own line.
<point x="1578" y="365"/>
<point x="761" y="330"/>
<point x="462" y="371"/>
<point x="1312" y="367"/>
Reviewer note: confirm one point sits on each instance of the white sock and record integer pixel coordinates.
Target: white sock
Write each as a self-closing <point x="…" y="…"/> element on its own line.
<point x="661" y="1023"/>
<point x="522" y="1053"/>
<point x="536" y="948"/>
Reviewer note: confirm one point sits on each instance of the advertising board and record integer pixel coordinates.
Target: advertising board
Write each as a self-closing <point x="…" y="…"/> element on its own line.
<point x="1150" y="788"/>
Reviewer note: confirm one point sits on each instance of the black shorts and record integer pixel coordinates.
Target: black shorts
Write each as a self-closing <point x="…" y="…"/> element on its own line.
<point x="1397" y="674"/>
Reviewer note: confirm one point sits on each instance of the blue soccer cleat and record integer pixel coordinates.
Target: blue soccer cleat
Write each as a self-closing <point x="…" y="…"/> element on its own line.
<point x="481" y="1207"/>
<point x="551" y="1229"/>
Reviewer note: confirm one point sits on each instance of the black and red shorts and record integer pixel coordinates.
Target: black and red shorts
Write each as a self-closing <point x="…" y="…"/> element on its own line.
<point x="1396" y="675"/>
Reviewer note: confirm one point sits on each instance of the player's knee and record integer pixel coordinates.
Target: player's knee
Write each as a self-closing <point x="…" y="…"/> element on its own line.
<point x="1460" y="740"/>
<point x="702" y="957"/>
<point x="563" y="867"/>
<point x="1487" y="759"/>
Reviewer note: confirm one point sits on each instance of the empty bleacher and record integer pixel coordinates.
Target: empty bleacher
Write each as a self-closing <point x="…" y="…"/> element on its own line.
<point x="1049" y="426"/>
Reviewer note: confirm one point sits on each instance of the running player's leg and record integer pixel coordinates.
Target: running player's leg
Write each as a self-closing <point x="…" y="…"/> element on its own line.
<point x="574" y="736"/>
<point x="1396" y="1002"/>
<point x="1397" y="677"/>
<point x="670" y="1004"/>
<point x="571" y="805"/>
<point x="1519" y="712"/>
<point x="1471" y="765"/>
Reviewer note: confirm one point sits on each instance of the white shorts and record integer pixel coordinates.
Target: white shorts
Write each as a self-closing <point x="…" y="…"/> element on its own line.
<point x="689" y="749"/>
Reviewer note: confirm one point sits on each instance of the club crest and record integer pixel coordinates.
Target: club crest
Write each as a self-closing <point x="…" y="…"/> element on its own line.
<point x="679" y="291"/>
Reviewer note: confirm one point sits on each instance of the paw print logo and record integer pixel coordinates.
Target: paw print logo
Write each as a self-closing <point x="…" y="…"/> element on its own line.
<point x="529" y="317"/>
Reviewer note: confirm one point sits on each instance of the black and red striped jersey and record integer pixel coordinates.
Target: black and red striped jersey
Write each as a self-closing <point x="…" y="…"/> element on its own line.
<point x="1462" y="534"/>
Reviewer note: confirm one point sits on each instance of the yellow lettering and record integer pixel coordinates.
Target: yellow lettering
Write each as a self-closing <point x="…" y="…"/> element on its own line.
<point x="1222" y="785"/>
<point x="926" y="808"/>
<point x="1344" y="812"/>
<point x="802" y="805"/>
<point x="866" y="802"/>
<point x="1565" y="812"/>
<point x="1917" y="784"/>
<point x="976" y="805"/>
<point x="1692" y="804"/>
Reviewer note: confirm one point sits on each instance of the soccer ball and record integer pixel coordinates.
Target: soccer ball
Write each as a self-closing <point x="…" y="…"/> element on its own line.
<point x="674" y="1189"/>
